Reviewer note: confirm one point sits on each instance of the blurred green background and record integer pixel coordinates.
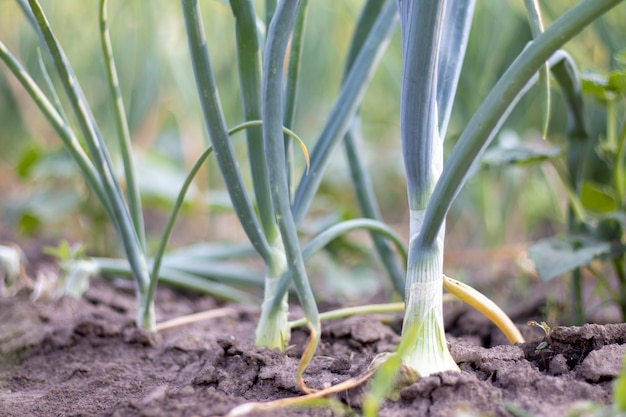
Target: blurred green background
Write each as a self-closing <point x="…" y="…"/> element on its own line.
<point x="493" y="220"/>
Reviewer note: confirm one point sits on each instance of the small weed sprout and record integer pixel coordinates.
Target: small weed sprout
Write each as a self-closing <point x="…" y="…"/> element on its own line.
<point x="544" y="348"/>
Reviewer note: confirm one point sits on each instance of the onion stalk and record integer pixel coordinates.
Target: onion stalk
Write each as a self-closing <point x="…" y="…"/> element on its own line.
<point x="432" y="190"/>
<point x="423" y="158"/>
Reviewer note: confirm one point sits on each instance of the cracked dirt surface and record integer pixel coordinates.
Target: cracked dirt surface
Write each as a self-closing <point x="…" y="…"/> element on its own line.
<point x="85" y="358"/>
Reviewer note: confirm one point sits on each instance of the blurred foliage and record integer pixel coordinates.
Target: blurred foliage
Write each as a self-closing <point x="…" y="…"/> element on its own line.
<point x="596" y="233"/>
<point x="158" y="86"/>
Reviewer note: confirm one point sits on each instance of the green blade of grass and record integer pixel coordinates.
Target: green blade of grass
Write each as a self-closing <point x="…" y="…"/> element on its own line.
<point x="536" y="28"/>
<point x="291" y="87"/>
<point x="249" y="58"/>
<point x="123" y="134"/>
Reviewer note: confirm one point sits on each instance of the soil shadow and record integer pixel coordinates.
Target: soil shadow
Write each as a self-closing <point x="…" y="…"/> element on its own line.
<point x="86" y="358"/>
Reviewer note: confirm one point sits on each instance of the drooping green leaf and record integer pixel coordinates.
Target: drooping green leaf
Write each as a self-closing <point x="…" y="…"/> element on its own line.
<point x="556" y="256"/>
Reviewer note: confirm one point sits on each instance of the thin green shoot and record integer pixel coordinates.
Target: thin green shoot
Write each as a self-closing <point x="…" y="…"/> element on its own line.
<point x="123" y="133"/>
<point x="158" y="257"/>
<point x="536" y="28"/>
<point x="292" y="86"/>
<point x="619" y="168"/>
<point x="287" y="131"/>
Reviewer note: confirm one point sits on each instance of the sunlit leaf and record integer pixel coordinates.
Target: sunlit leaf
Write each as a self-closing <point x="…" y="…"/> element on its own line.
<point x="603" y="87"/>
<point x="27" y="160"/>
<point x="596" y="199"/>
<point x="595" y="84"/>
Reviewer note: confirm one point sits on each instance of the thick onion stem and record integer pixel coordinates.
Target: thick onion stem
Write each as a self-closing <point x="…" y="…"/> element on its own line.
<point x="273" y="330"/>
<point x="423" y="320"/>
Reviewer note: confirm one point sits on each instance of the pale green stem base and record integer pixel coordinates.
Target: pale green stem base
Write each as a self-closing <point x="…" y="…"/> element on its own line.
<point x="429" y="353"/>
<point x="423" y="321"/>
<point x="273" y="331"/>
<point x="146" y="317"/>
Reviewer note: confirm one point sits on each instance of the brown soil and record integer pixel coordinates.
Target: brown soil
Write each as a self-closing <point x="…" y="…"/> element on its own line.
<point x="85" y="358"/>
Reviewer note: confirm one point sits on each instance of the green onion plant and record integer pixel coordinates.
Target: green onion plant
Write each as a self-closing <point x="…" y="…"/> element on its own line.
<point x="269" y="95"/>
<point x="95" y="162"/>
<point x="427" y="27"/>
